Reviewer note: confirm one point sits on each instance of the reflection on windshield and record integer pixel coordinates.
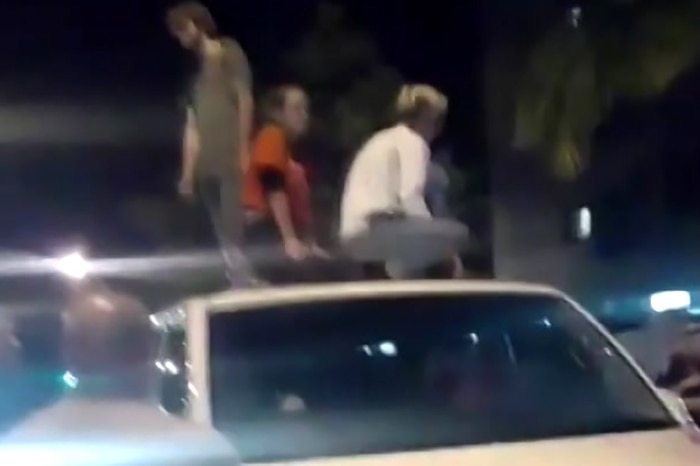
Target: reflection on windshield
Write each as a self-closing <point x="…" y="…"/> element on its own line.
<point x="393" y="374"/>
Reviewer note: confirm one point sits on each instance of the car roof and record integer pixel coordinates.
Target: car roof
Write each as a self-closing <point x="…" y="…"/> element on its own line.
<point x="235" y="300"/>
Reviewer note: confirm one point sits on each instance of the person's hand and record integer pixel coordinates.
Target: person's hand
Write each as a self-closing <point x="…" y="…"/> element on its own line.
<point x="185" y="187"/>
<point x="295" y="249"/>
<point x="317" y="251"/>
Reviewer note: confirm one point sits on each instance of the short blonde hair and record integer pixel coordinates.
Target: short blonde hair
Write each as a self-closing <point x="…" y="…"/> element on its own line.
<point x="414" y="99"/>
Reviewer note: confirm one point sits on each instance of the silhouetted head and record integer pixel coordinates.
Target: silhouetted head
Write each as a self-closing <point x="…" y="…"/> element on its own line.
<point x="190" y="23"/>
<point x="108" y="337"/>
<point x="422" y="108"/>
<point x="288" y="107"/>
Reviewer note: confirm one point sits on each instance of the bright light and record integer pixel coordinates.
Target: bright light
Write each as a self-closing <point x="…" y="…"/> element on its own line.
<point x="168" y="367"/>
<point x="73" y="265"/>
<point x="70" y="380"/>
<point x="669" y="300"/>
<point x="171" y="367"/>
<point x="387" y="348"/>
<point x="584" y="223"/>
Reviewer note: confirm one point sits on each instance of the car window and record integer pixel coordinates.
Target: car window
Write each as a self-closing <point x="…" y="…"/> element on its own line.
<point x="402" y="373"/>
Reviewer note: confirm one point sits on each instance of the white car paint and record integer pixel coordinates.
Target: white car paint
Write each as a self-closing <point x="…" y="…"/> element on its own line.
<point x="644" y="449"/>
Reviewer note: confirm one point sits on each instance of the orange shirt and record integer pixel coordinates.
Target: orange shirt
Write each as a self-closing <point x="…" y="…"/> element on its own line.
<point x="271" y="151"/>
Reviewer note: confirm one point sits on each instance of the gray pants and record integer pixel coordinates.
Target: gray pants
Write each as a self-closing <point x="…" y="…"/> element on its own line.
<point x="407" y="245"/>
<point x="222" y="199"/>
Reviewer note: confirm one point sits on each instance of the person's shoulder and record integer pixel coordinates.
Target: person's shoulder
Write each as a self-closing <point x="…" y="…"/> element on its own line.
<point x="232" y="49"/>
<point x="192" y="437"/>
<point x="153" y="425"/>
<point x="378" y="139"/>
<point x="408" y="137"/>
<point x="229" y="43"/>
<point x="121" y="424"/>
<point x="42" y="423"/>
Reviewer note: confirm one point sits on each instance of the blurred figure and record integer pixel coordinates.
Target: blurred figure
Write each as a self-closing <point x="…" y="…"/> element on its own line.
<point x="438" y="186"/>
<point x="10" y="375"/>
<point x="682" y="374"/>
<point x="384" y="215"/>
<point x="218" y="124"/>
<point x="109" y="348"/>
<point x="437" y="196"/>
<point x="9" y="345"/>
<point x="277" y="195"/>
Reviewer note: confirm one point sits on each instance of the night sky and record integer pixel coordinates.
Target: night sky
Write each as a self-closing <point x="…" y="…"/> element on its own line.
<point x="89" y="115"/>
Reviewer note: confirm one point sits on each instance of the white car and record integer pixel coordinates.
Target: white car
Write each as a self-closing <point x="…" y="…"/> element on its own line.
<point x="452" y="373"/>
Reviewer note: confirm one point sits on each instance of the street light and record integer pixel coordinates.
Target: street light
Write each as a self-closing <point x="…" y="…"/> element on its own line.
<point x="73" y="266"/>
<point x="664" y="301"/>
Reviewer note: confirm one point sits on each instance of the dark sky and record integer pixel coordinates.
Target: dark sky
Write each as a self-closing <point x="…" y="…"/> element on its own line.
<point x="88" y="93"/>
<point x="80" y="51"/>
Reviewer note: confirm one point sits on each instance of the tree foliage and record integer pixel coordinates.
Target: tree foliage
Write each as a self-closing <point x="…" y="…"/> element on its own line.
<point x="351" y="86"/>
<point x="589" y="59"/>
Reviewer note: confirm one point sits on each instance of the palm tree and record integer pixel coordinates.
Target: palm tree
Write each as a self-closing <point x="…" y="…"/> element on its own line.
<point x="591" y="57"/>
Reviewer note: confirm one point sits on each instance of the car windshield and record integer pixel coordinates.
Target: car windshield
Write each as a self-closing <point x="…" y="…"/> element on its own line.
<point x="389" y="374"/>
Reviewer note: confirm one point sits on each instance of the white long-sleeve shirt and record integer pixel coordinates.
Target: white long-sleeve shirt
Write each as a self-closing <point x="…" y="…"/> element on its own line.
<point x="388" y="175"/>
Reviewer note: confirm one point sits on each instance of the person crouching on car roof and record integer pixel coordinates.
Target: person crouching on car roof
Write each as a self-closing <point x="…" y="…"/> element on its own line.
<point x="384" y="216"/>
<point x="276" y="191"/>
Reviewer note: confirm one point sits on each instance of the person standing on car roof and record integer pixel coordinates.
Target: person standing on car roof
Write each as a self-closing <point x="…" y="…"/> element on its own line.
<point x="217" y="130"/>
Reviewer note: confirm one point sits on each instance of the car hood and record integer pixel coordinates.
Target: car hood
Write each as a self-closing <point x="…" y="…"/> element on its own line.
<point x="668" y="448"/>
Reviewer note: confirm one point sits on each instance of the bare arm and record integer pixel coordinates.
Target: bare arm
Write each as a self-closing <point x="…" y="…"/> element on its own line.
<point x="279" y="205"/>
<point x="190" y="146"/>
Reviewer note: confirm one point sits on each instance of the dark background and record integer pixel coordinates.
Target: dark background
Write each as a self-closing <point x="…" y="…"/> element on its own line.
<point x="88" y="97"/>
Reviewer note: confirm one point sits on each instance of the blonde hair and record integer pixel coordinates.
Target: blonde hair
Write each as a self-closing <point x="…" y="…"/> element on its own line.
<point x="414" y="99"/>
